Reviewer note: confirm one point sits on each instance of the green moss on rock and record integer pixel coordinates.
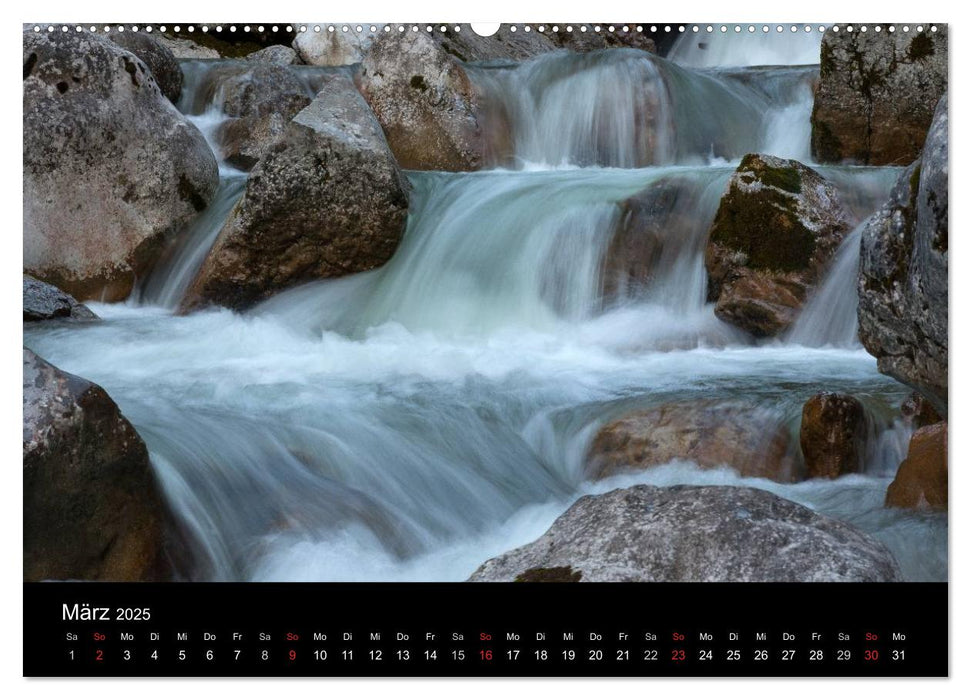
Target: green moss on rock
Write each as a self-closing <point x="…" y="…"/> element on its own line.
<point x="787" y="179"/>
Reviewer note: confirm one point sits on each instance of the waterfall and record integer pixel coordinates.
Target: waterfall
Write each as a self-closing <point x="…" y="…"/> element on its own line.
<point x="409" y="422"/>
<point x="627" y="108"/>
<point x="773" y="48"/>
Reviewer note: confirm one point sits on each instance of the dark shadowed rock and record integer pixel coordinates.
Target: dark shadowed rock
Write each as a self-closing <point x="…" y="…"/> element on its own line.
<point x="709" y="433"/>
<point x="832" y="435"/>
<point x="918" y="411"/>
<point x="260" y="101"/>
<point x="425" y="102"/>
<point x="278" y="55"/>
<point x="111" y="169"/>
<point x="92" y="509"/>
<point x="877" y="92"/>
<point x="43" y="302"/>
<point x="696" y="533"/>
<point x="903" y="274"/>
<point x="776" y="229"/>
<point x="326" y="200"/>
<point x="158" y="57"/>
<point x="921" y="480"/>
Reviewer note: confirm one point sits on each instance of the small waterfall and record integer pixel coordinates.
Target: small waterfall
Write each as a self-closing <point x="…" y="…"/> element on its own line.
<point x="168" y="282"/>
<point x="830" y="316"/>
<point x="627" y="109"/>
<point x="703" y="50"/>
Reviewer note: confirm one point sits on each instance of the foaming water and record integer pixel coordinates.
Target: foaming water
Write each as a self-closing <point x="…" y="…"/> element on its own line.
<point x="773" y="48"/>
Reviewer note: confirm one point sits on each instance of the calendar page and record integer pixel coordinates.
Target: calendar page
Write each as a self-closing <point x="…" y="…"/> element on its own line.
<point x="375" y="349"/>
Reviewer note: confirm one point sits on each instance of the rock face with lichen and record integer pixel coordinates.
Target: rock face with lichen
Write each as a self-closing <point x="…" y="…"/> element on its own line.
<point x="876" y="96"/>
<point x="903" y="274"/>
<point x="326" y="200"/>
<point x="833" y="435"/>
<point x="424" y="101"/>
<point x="709" y="433"/>
<point x="45" y="302"/>
<point x="921" y="480"/>
<point x="695" y="533"/>
<point x="111" y="169"/>
<point x="776" y="229"/>
<point x="158" y="57"/>
<point x="92" y="509"/>
<point x="259" y="102"/>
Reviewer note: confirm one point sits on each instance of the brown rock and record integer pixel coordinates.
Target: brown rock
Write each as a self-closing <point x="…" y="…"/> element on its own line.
<point x="777" y="227"/>
<point x="918" y="411"/>
<point x="832" y="435"/>
<point x="92" y="509"/>
<point x="921" y="480"/>
<point x="877" y="93"/>
<point x="326" y="200"/>
<point x="425" y="102"/>
<point x="709" y="433"/>
<point x="111" y="169"/>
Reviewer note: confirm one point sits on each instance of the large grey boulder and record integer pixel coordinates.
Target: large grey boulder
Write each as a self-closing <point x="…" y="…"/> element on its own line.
<point x="334" y="48"/>
<point x="903" y="274"/>
<point x="694" y="533"/>
<point x="776" y="229"/>
<point x="277" y="55"/>
<point x="111" y="169"/>
<point x="425" y="102"/>
<point x="92" y="508"/>
<point x="877" y="92"/>
<point x="260" y="100"/>
<point x="45" y="302"/>
<point x="326" y="200"/>
<point x="157" y="56"/>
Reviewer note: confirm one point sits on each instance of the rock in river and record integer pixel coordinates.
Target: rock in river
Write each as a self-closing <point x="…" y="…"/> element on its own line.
<point x="921" y="480"/>
<point x="833" y="435"/>
<point x="694" y="533"/>
<point x="876" y="96"/>
<point x="776" y="229"/>
<point x="92" y="509"/>
<point x="111" y="169"/>
<point x="326" y="200"/>
<point x="43" y="302"/>
<point x="903" y="274"/>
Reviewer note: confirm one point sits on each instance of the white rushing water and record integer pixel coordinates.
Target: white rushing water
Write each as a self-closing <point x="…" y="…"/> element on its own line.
<point x="410" y="422"/>
<point x="744" y="48"/>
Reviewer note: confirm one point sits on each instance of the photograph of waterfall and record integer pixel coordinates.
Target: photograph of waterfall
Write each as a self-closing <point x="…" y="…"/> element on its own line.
<point x="410" y="303"/>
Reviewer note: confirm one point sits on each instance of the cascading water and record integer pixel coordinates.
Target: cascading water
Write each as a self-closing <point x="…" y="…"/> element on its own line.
<point x="410" y="422"/>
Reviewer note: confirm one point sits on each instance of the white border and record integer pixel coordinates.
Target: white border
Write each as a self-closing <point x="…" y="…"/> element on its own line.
<point x="749" y="11"/>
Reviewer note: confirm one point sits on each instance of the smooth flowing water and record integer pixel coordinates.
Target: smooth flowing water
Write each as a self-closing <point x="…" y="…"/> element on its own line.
<point x="410" y="422"/>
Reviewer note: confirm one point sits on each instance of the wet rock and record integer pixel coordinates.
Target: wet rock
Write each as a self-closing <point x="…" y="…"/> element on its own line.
<point x="43" y="302"/>
<point x="877" y="93"/>
<point x="111" y="169"/>
<point x="709" y="433"/>
<point x="158" y="57"/>
<point x="520" y="45"/>
<point x="697" y="533"/>
<point x="918" y="411"/>
<point x="277" y="55"/>
<point x="903" y="274"/>
<point x="776" y="229"/>
<point x="92" y="509"/>
<point x="326" y="200"/>
<point x="182" y="47"/>
<point x="425" y="102"/>
<point x="260" y="102"/>
<point x="334" y="48"/>
<point x="921" y="480"/>
<point x="833" y="435"/>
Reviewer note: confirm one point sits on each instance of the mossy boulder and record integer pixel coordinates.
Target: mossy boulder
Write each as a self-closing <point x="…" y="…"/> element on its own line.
<point x="903" y="282"/>
<point x="776" y="229"/>
<point x="877" y="92"/>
